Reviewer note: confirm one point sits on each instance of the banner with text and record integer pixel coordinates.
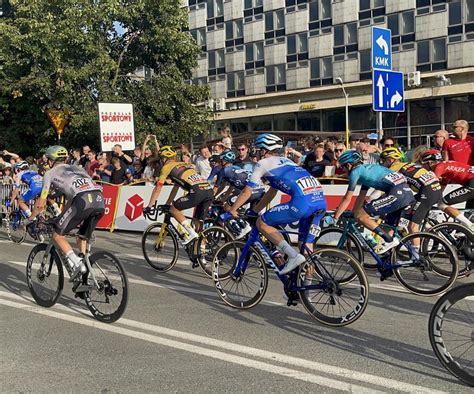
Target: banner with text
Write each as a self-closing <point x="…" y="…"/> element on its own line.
<point x="116" y="126"/>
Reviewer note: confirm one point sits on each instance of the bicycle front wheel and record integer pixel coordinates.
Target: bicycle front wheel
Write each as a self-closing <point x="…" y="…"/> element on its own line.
<point x="16" y="230"/>
<point x="45" y="278"/>
<point x="209" y="242"/>
<point x="420" y="272"/>
<point x="330" y="299"/>
<point x="160" y="247"/>
<point x="108" y="301"/>
<point x="451" y="331"/>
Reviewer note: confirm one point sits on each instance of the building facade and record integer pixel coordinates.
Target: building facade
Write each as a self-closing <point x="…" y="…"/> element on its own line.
<point x="272" y="65"/>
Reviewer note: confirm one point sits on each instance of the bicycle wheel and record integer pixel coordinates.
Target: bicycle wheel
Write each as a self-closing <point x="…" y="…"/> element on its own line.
<point x="45" y="279"/>
<point x="421" y="274"/>
<point x="210" y="240"/>
<point x="462" y="240"/>
<point x="160" y="247"/>
<point x="248" y="288"/>
<point x="16" y="230"/>
<point x="333" y="302"/>
<point x="451" y="331"/>
<point x="107" y="303"/>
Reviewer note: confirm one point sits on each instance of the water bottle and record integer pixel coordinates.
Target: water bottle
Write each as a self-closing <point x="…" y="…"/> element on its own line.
<point x="370" y="239"/>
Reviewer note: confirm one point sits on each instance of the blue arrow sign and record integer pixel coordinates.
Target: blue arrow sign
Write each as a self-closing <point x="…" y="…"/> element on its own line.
<point x="381" y="48"/>
<point x="387" y="91"/>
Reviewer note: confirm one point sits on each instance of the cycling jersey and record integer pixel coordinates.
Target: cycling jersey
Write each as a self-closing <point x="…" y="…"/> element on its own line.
<point x="34" y="182"/>
<point x="458" y="150"/>
<point x="183" y="175"/>
<point x="374" y="176"/>
<point x="454" y="172"/>
<point x="417" y="176"/>
<point x="235" y="176"/>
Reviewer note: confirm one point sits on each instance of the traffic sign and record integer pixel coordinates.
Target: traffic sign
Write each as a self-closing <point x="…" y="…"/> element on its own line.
<point x="387" y="91"/>
<point x="381" y="48"/>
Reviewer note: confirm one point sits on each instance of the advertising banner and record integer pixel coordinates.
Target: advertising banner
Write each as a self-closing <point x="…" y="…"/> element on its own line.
<point x="110" y="193"/>
<point x="116" y="126"/>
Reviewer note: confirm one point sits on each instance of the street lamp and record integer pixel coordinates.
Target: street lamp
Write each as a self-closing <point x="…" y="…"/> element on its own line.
<point x="346" y="100"/>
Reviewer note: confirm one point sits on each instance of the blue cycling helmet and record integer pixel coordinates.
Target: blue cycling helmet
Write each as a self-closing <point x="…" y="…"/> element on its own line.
<point x="269" y="142"/>
<point x="229" y="156"/>
<point x="350" y="157"/>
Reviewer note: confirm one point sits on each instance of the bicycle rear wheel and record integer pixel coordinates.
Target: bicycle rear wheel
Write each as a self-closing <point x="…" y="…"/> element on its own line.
<point x="210" y="240"/>
<point x="421" y="274"/>
<point x="16" y="230"/>
<point x="451" y="331"/>
<point x="107" y="303"/>
<point x="247" y="288"/>
<point x="332" y="300"/>
<point x="45" y="279"/>
<point x="160" y="247"/>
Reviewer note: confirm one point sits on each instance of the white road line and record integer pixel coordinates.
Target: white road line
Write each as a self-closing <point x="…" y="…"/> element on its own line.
<point x="246" y="362"/>
<point x="259" y="353"/>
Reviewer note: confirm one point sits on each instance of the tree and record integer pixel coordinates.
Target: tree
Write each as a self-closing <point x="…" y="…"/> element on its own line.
<point x="72" y="54"/>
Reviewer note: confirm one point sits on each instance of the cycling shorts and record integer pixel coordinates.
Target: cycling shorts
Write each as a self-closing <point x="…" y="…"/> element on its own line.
<point x="424" y="201"/>
<point x="462" y="194"/>
<point x="298" y="209"/>
<point x="197" y="197"/>
<point x="85" y="209"/>
<point x="33" y="191"/>
<point x="391" y="203"/>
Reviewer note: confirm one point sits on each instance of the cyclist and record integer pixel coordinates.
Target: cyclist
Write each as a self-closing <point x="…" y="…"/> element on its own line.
<point x="456" y="173"/>
<point x="397" y="196"/>
<point x="84" y="205"/>
<point x="199" y="190"/>
<point x="306" y="198"/>
<point x="424" y="183"/>
<point x="32" y="179"/>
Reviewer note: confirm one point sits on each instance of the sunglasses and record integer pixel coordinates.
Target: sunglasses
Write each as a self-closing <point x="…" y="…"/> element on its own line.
<point x="339" y="150"/>
<point x="242" y="149"/>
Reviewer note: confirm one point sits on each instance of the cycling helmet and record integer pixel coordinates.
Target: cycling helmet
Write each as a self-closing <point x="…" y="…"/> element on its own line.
<point x="56" y="152"/>
<point x="214" y="158"/>
<point x="21" y="165"/>
<point x="391" y="153"/>
<point x="431" y="155"/>
<point x="228" y="155"/>
<point x="167" y="152"/>
<point x="269" y="142"/>
<point x="350" y="157"/>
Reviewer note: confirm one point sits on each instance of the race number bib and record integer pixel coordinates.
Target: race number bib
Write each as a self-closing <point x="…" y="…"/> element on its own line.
<point x="308" y="185"/>
<point x="395" y="178"/>
<point x="83" y="184"/>
<point x="428" y="178"/>
<point x="196" y="179"/>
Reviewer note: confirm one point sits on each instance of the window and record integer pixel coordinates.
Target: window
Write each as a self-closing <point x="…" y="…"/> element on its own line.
<point x="371" y="11"/>
<point x="215" y="14"/>
<point x="297" y="47"/>
<point x="365" y="64"/>
<point x="403" y="29"/>
<point x="274" y="26"/>
<point x="216" y="63"/>
<point x="253" y="10"/>
<point x="199" y="81"/>
<point x="320" y="17"/>
<point x="293" y="5"/>
<point x="427" y="6"/>
<point x="469" y="10"/>
<point x="234" y="35"/>
<point x="254" y="55"/>
<point x="345" y="39"/>
<point x="193" y="4"/>
<point x="276" y="78"/>
<point x="431" y="55"/>
<point x="235" y="84"/>
<point x="321" y="71"/>
<point x="199" y="36"/>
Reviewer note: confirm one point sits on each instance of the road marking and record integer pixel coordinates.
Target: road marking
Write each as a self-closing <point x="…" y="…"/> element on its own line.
<point x="199" y="350"/>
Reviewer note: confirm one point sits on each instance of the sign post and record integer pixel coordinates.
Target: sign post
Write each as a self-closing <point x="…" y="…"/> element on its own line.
<point x="57" y="118"/>
<point x="116" y="126"/>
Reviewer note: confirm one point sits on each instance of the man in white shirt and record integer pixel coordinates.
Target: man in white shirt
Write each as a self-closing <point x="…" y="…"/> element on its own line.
<point x="203" y="167"/>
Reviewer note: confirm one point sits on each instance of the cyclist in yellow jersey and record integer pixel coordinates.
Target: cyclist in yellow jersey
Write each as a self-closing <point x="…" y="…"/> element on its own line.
<point x="199" y="195"/>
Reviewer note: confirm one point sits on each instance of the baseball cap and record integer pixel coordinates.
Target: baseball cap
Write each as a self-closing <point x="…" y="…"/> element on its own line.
<point x="373" y="136"/>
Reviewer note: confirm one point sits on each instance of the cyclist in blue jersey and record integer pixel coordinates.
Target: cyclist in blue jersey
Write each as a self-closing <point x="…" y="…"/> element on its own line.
<point x="306" y="198"/>
<point x="32" y="179"/>
<point x="214" y="161"/>
<point x="397" y="195"/>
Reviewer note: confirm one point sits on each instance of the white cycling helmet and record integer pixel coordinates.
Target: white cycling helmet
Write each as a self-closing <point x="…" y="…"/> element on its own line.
<point x="269" y="142"/>
<point x="21" y="165"/>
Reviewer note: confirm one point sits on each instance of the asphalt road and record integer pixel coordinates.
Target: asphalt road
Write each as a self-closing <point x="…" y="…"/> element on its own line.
<point x="176" y="335"/>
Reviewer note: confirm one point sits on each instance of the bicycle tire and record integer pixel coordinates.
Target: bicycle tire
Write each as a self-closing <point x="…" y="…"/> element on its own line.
<point x="231" y="295"/>
<point x="439" y="324"/>
<point x="54" y="261"/>
<point x="107" y="288"/>
<point x="357" y="290"/>
<point x="214" y="236"/>
<point x="16" y="232"/>
<point x="426" y="264"/>
<point x="157" y="251"/>
<point x="464" y="247"/>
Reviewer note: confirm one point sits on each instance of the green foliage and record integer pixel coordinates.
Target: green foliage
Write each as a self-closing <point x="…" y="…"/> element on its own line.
<point x="69" y="54"/>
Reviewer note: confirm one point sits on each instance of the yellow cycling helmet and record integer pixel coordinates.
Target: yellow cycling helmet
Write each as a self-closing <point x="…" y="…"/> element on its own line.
<point x="391" y="153"/>
<point x="56" y="152"/>
<point x="167" y="152"/>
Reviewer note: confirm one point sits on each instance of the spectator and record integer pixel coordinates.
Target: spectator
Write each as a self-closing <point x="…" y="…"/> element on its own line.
<point x="226" y="137"/>
<point x="6" y="176"/>
<point x="125" y="159"/>
<point x="146" y="150"/>
<point x="388" y="142"/>
<point x="418" y="153"/>
<point x="137" y="163"/>
<point x="104" y="164"/>
<point x="461" y="147"/>
<point x="218" y="149"/>
<point x="293" y="154"/>
<point x="42" y="164"/>
<point x="315" y="162"/>
<point x="329" y="147"/>
<point x="92" y="163"/>
<point x="186" y="158"/>
<point x="353" y="142"/>
<point x="32" y="163"/>
<point x="440" y="136"/>
<point x="85" y="152"/>
<point x="365" y="150"/>
<point x="338" y="151"/>
<point x="76" y="157"/>
<point x="117" y="173"/>
<point x="243" y="156"/>
<point x="203" y="166"/>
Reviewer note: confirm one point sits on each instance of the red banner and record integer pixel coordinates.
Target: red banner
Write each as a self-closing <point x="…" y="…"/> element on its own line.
<point x="110" y="194"/>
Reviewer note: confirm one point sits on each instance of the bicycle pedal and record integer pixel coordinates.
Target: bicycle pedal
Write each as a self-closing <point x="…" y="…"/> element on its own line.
<point x="292" y="303"/>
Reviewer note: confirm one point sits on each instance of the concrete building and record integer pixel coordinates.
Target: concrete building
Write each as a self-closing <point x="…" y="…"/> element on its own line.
<point x="272" y="64"/>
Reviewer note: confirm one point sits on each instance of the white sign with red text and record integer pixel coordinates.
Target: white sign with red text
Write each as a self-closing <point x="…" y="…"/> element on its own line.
<point x="116" y="126"/>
